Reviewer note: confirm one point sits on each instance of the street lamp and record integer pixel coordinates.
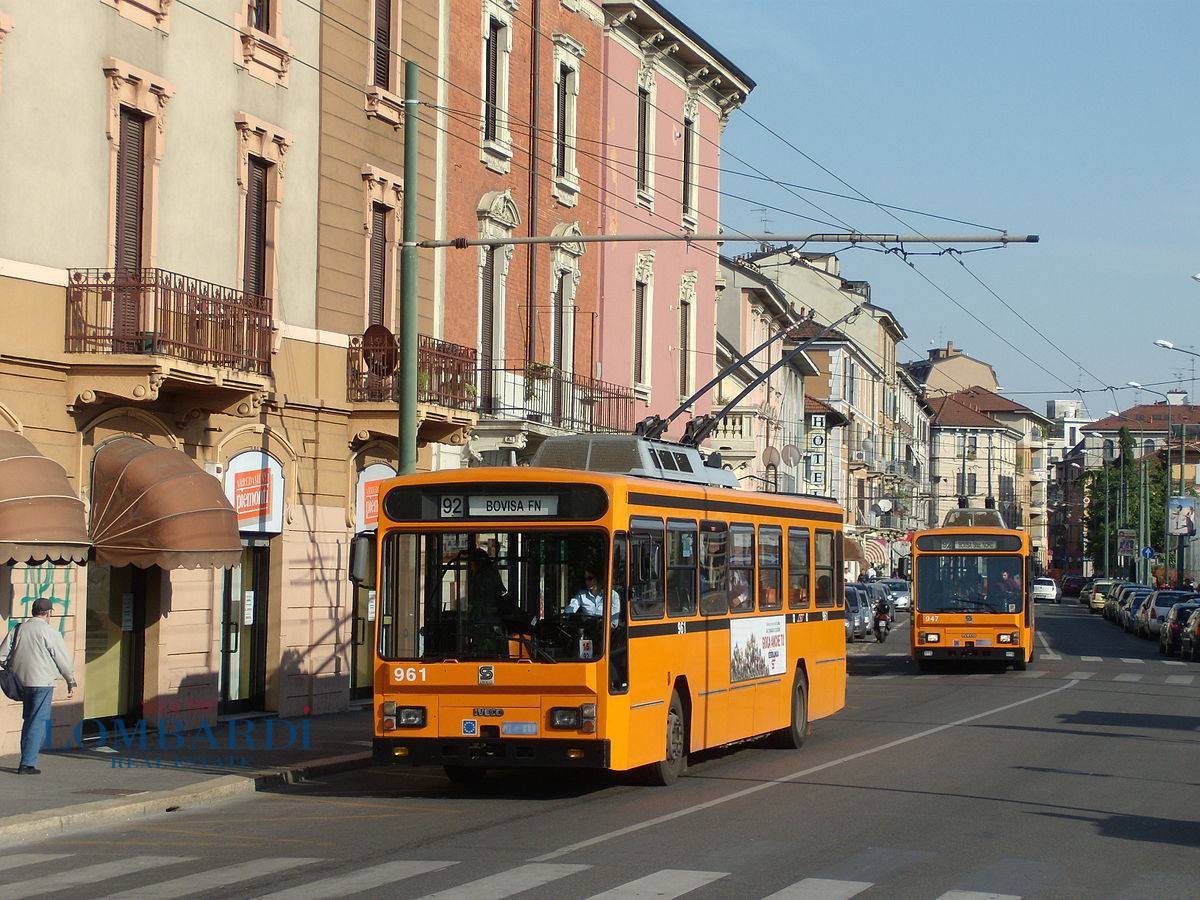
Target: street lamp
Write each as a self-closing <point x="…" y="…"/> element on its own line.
<point x="1123" y="500"/>
<point x="1166" y="494"/>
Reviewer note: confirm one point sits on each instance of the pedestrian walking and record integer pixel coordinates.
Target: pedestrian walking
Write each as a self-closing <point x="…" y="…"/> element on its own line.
<point x="35" y="653"/>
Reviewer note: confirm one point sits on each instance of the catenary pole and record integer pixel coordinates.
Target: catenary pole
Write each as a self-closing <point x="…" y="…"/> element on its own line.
<point x="406" y="372"/>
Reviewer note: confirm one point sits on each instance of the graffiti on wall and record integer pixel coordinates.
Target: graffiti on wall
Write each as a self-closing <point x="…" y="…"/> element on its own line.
<point x="46" y="581"/>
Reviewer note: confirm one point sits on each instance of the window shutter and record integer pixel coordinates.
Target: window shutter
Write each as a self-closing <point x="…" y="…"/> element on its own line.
<point x="639" y="325"/>
<point x="560" y="299"/>
<point x="560" y="148"/>
<point x="685" y="341"/>
<point x="383" y="44"/>
<point x="377" y="287"/>
<point x="487" y="339"/>
<point x="254" y="267"/>
<point x="131" y="154"/>
<point x="492" y="80"/>
<point x="643" y="139"/>
<point x="688" y="129"/>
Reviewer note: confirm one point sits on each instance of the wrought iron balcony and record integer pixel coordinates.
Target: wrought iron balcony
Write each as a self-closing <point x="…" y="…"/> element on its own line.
<point x="153" y="312"/>
<point x="445" y="371"/>
<point x="541" y="394"/>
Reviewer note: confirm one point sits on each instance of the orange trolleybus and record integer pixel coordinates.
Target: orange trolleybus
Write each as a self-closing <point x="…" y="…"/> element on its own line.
<point x="971" y="592"/>
<point x="558" y="615"/>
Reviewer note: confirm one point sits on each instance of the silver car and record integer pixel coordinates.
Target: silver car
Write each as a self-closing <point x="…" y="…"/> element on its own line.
<point x="899" y="592"/>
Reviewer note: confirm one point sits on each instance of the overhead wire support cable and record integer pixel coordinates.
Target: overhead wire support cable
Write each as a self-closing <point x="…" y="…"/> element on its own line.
<point x="462" y="243"/>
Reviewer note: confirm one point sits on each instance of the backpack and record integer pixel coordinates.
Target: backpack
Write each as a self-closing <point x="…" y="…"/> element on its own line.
<point x="9" y="683"/>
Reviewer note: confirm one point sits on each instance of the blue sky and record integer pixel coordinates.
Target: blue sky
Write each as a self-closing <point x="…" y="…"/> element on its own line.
<point x="1077" y="121"/>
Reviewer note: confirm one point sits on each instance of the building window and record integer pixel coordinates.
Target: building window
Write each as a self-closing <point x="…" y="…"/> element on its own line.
<point x="643" y="314"/>
<point x="381" y="55"/>
<point x="258" y="14"/>
<point x="687" y="330"/>
<point x="498" y="217"/>
<point x="261" y="151"/>
<point x="643" y="141"/>
<point x="497" y="46"/>
<point x="136" y="101"/>
<point x="565" y="267"/>
<point x="568" y="59"/>
<point x="261" y="48"/>
<point x="378" y="281"/>
<point x="688" y="197"/>
<point x="383" y="195"/>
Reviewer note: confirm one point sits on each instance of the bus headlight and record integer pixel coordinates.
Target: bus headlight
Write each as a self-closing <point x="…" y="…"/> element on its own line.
<point x="931" y="637"/>
<point x="565" y="717"/>
<point x="389" y="707"/>
<point x="1004" y="638"/>
<point x="411" y="717"/>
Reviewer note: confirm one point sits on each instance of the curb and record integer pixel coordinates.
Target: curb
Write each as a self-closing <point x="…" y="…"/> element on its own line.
<point x="80" y="816"/>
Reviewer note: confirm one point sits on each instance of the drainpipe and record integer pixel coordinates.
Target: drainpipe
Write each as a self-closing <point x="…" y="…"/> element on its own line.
<point x="534" y="122"/>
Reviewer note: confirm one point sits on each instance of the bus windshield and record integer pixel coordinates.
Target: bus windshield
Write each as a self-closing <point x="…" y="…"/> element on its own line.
<point x="495" y="595"/>
<point x="969" y="583"/>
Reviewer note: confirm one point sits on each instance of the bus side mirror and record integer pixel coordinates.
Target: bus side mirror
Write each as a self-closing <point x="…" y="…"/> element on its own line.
<point x="362" y="560"/>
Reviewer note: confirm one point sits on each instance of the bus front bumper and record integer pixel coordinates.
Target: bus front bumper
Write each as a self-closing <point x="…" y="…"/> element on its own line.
<point x="1006" y="653"/>
<point x="492" y="754"/>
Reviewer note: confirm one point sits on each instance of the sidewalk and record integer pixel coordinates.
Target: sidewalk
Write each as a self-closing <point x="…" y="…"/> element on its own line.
<point x="136" y="774"/>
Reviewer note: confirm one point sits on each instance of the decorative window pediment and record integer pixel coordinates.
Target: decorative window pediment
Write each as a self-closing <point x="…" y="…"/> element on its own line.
<point x="498" y="210"/>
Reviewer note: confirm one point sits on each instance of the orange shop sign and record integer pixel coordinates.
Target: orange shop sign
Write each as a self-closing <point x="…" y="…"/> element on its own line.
<point x="366" y="506"/>
<point x="252" y="494"/>
<point x="255" y="489"/>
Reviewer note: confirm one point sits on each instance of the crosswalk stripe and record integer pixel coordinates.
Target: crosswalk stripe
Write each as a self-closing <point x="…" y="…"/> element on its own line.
<point x="47" y="882"/>
<point x="217" y="878"/>
<point x="1135" y="661"/>
<point x="1180" y="679"/>
<point x="1091" y="659"/>
<point x="360" y="880"/>
<point x="881" y="677"/>
<point x="977" y="895"/>
<point x="512" y="881"/>
<point x="666" y="884"/>
<point x="28" y="859"/>
<point x="1080" y="676"/>
<point x="897" y="654"/>
<point x="1128" y="676"/>
<point x="1174" y="662"/>
<point x="821" y="889"/>
<point x="1040" y="673"/>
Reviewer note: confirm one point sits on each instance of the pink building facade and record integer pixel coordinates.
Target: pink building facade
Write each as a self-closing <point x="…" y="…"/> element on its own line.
<point x="667" y="94"/>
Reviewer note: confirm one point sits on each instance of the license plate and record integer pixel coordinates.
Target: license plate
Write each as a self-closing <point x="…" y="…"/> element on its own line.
<point x="523" y="729"/>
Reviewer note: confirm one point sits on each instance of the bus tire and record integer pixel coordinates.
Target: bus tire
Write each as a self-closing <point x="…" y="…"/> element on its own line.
<point x="924" y="666"/>
<point x="792" y="737"/>
<point x="1022" y="664"/>
<point x="466" y="776"/>
<point x="668" y="770"/>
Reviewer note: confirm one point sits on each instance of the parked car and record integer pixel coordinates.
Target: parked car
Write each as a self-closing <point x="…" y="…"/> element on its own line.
<point x="1130" y="606"/>
<point x="1045" y="589"/>
<point x="875" y="591"/>
<point x="1095" y="593"/>
<point x="1172" y="626"/>
<point x="1116" y="596"/>
<point x="1189" y="637"/>
<point x="854" y="629"/>
<point x="1072" y="585"/>
<point x="1154" y="609"/>
<point x="899" y="592"/>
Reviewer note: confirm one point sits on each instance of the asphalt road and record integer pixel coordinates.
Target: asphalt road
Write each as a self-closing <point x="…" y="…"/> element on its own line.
<point x="1077" y="778"/>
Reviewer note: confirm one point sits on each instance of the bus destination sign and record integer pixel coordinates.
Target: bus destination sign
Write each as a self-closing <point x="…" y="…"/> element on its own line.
<point x="499" y="506"/>
<point x="968" y="543"/>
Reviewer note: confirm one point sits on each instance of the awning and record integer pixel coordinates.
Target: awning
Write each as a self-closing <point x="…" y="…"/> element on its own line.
<point x="155" y="507"/>
<point x="41" y="518"/>
<point x="852" y="550"/>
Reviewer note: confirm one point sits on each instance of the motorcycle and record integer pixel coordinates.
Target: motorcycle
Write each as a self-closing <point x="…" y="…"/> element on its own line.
<point x="882" y="627"/>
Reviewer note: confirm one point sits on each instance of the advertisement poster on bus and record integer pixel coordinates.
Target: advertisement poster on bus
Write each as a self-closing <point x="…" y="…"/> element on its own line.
<point x="1126" y="542"/>
<point x="757" y="648"/>
<point x="1181" y="516"/>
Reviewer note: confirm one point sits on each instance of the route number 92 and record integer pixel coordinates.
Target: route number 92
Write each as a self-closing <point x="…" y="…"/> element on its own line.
<point x="452" y="508"/>
<point x="411" y="673"/>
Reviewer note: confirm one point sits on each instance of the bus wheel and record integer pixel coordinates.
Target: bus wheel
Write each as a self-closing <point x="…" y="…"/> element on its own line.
<point x="792" y="737"/>
<point x="924" y="666"/>
<point x="1021" y="665"/>
<point x="667" y="771"/>
<point x="466" y="776"/>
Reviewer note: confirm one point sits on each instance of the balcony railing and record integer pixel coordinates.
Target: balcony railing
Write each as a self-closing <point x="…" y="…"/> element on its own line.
<point x="158" y="313"/>
<point x="545" y="395"/>
<point x="445" y="371"/>
<point x="737" y="426"/>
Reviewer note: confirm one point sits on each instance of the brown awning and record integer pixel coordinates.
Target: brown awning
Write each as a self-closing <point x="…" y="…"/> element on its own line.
<point x="155" y="507"/>
<point x="41" y="518"/>
<point x="852" y="550"/>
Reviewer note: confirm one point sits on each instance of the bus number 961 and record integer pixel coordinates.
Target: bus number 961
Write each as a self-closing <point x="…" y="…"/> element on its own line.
<point x="412" y="673"/>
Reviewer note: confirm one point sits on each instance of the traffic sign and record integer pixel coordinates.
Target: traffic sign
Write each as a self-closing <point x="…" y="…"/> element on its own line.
<point x="1147" y="553"/>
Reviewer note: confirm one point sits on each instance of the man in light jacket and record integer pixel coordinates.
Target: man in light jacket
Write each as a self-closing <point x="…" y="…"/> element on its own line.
<point x="38" y="656"/>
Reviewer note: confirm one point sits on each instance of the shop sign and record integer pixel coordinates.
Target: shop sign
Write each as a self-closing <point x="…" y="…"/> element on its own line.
<point x="254" y="486"/>
<point x="366" y="500"/>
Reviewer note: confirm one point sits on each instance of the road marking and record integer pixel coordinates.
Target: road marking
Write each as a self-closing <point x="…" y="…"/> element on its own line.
<point x="821" y="889"/>
<point x="1128" y="676"/>
<point x="897" y="654"/>
<point x="361" y="880"/>
<point x="1091" y="659"/>
<point x="1137" y="661"/>
<point x="88" y="875"/>
<point x="881" y="677"/>
<point x="1035" y="674"/>
<point x="803" y="773"/>
<point x="1180" y="679"/>
<point x="1081" y="676"/>
<point x="1046" y="651"/>
<point x="1173" y="662"/>
<point x="667" y="884"/>
<point x="505" y="884"/>
<point x="217" y="878"/>
<point x="28" y="859"/>
<point x="977" y="895"/>
<point x="928" y="677"/>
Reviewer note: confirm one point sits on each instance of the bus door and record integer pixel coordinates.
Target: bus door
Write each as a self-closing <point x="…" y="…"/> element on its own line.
<point x="648" y="654"/>
<point x="618" y="618"/>
<point x="714" y="602"/>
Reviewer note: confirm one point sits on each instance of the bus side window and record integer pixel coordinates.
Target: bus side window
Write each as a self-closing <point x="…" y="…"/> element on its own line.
<point x="839" y="568"/>
<point x="825" y="558"/>
<point x="682" y="557"/>
<point x="646" y="585"/>
<point x="798" y="568"/>
<point x="714" y="598"/>
<point x="741" y="568"/>
<point x="770" y="567"/>
<point x="618" y="653"/>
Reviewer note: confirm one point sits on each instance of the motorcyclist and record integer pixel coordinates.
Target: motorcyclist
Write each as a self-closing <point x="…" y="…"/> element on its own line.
<point x="883" y="615"/>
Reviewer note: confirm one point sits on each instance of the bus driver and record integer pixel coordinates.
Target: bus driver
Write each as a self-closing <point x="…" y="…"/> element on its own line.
<point x="590" y="600"/>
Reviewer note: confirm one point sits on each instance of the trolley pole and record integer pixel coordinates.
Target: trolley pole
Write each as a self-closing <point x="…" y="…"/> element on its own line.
<point x="406" y="372"/>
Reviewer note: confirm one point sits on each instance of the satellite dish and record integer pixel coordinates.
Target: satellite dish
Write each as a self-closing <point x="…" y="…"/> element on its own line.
<point x="771" y="457"/>
<point x="791" y="455"/>
<point x="869" y="446"/>
<point x="885" y="505"/>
